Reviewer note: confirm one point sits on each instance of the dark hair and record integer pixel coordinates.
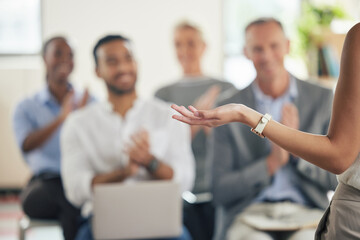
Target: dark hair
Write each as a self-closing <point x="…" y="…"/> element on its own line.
<point x="47" y="43"/>
<point x="106" y="39"/>
<point x="263" y="20"/>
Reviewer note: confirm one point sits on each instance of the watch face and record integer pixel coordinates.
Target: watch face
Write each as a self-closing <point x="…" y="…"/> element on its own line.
<point x="153" y="166"/>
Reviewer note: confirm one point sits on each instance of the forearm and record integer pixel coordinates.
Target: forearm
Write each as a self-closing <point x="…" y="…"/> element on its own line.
<point x="117" y="175"/>
<point x="317" y="149"/>
<point x="39" y="137"/>
<point x="163" y="172"/>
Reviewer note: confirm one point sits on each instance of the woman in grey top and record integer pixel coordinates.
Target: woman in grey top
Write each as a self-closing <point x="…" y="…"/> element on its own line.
<point x="202" y="91"/>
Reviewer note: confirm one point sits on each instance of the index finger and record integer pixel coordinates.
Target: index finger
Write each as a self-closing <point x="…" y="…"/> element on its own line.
<point x="184" y="111"/>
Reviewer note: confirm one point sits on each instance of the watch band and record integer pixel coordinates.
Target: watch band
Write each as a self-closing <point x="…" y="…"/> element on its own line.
<point x="261" y="125"/>
<point x="153" y="165"/>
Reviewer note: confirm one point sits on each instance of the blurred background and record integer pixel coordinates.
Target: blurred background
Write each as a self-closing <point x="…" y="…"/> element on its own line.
<point x="316" y="29"/>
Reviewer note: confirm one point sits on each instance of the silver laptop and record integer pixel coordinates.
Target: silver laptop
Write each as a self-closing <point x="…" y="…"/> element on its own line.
<point x="151" y="209"/>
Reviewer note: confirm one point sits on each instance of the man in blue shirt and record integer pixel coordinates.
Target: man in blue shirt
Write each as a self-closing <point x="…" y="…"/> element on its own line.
<point x="37" y="125"/>
<point x="259" y="189"/>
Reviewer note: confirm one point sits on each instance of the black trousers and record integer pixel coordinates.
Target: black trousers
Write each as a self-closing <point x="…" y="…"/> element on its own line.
<point x="44" y="198"/>
<point x="199" y="220"/>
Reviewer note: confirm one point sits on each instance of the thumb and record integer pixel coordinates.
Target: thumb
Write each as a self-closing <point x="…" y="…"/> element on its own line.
<point x="205" y="114"/>
<point x="69" y="96"/>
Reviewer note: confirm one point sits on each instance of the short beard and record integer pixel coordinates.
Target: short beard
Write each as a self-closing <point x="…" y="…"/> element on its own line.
<point x="118" y="91"/>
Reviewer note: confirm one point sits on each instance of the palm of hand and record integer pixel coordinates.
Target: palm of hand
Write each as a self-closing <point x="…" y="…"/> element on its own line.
<point x="211" y="118"/>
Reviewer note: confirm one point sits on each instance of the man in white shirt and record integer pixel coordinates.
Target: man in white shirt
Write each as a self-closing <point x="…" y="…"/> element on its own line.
<point x="124" y="139"/>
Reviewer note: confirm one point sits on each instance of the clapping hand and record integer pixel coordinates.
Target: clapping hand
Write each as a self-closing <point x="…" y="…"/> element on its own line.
<point x="139" y="151"/>
<point x="207" y="100"/>
<point x="68" y="104"/>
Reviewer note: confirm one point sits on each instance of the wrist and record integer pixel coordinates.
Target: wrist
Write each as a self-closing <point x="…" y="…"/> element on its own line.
<point x="61" y="118"/>
<point x="122" y="174"/>
<point x="240" y="113"/>
<point x="247" y="115"/>
<point x="153" y="165"/>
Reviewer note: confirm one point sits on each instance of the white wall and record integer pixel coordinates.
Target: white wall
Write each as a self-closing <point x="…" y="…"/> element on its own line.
<point x="14" y="84"/>
<point x="149" y="23"/>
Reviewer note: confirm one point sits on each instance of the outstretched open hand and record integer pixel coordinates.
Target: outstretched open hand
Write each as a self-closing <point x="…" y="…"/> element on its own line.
<point x="211" y="118"/>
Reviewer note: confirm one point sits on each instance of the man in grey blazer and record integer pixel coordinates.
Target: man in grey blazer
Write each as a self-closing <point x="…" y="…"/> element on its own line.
<point x="254" y="178"/>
